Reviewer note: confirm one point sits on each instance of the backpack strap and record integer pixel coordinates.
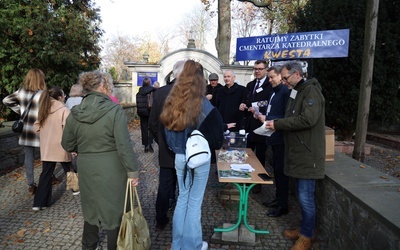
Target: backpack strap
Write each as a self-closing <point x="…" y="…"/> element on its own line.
<point x="205" y="110"/>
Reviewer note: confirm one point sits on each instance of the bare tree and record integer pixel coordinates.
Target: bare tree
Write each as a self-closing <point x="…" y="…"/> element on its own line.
<point x="197" y="25"/>
<point x="117" y="50"/>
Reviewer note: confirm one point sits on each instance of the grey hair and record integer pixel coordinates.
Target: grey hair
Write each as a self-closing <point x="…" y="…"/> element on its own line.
<point x="178" y="67"/>
<point x="293" y="67"/>
<point x="229" y="70"/>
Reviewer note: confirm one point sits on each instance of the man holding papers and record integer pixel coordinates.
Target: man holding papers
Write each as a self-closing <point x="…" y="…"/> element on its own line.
<point x="275" y="110"/>
<point x="304" y="134"/>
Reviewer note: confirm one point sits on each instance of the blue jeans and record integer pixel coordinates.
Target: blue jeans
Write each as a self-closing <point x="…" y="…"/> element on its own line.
<point x="186" y="229"/>
<point x="305" y="192"/>
<point x="29" y="170"/>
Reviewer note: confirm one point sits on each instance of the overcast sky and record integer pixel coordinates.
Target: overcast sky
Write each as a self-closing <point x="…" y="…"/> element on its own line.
<point x="135" y="17"/>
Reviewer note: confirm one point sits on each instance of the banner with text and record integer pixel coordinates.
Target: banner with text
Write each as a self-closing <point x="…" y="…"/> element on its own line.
<point x="303" y="45"/>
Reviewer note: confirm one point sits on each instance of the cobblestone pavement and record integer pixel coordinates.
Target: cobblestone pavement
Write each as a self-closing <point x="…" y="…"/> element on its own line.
<point x="60" y="226"/>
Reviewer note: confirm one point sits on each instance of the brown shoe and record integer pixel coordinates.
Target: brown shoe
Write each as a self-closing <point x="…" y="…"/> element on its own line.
<point x="32" y="189"/>
<point x="292" y="234"/>
<point x="303" y="243"/>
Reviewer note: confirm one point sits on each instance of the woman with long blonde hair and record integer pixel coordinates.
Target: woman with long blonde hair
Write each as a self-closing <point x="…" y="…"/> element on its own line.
<point x="34" y="84"/>
<point x="186" y="109"/>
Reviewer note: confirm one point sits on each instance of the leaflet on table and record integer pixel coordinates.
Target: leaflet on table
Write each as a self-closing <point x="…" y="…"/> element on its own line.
<point x="233" y="174"/>
<point x="263" y="130"/>
<point x="232" y="156"/>
<point x="242" y="167"/>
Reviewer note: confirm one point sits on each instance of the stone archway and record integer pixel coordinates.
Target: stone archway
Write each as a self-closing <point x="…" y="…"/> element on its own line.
<point x="210" y="63"/>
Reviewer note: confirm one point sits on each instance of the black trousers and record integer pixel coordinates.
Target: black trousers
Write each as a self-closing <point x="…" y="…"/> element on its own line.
<point x="147" y="137"/>
<point x="166" y="191"/>
<point x="90" y="237"/>
<point x="260" y="149"/>
<point x="281" y="180"/>
<point x="44" y="189"/>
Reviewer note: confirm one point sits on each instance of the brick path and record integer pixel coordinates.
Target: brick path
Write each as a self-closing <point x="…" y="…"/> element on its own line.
<point x="60" y="226"/>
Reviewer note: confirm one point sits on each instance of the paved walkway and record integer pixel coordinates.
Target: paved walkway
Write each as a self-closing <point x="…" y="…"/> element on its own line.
<point x="60" y="226"/>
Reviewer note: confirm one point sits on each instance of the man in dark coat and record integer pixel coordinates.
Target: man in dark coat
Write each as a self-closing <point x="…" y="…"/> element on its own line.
<point x="228" y="100"/>
<point x="276" y="110"/>
<point x="257" y="95"/>
<point x="212" y="88"/>
<point x="166" y="158"/>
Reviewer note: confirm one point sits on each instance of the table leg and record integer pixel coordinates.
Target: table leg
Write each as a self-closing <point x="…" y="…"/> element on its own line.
<point x="244" y="191"/>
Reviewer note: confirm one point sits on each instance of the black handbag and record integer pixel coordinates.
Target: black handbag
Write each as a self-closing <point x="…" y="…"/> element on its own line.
<point x="19" y="124"/>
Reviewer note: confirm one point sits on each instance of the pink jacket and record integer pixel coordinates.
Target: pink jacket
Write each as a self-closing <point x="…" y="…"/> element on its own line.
<point x="51" y="133"/>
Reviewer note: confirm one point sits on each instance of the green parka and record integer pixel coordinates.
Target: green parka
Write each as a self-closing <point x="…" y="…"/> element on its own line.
<point x="97" y="130"/>
<point x="304" y="131"/>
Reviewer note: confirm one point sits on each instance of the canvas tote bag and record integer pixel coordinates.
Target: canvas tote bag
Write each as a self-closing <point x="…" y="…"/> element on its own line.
<point x="134" y="232"/>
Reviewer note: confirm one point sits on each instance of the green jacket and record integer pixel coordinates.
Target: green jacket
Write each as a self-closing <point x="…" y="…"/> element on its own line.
<point x="97" y="130"/>
<point x="304" y="131"/>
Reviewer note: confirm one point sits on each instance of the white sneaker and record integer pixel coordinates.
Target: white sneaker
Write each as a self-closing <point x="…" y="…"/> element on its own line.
<point x="38" y="208"/>
<point x="204" y="246"/>
<point x="76" y="192"/>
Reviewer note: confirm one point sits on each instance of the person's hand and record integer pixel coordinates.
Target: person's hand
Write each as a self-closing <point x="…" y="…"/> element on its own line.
<point x="261" y="118"/>
<point x="231" y="125"/>
<point x="252" y="110"/>
<point x="242" y="107"/>
<point x="74" y="154"/>
<point x="134" y="181"/>
<point x="209" y="96"/>
<point x="270" y="125"/>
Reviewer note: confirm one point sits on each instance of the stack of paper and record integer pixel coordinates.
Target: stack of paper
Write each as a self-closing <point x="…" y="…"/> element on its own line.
<point x="242" y="167"/>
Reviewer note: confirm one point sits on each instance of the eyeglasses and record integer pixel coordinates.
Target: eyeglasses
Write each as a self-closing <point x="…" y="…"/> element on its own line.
<point x="258" y="69"/>
<point x="286" y="77"/>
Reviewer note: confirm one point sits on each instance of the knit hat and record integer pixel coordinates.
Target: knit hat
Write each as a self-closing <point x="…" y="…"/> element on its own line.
<point x="213" y="76"/>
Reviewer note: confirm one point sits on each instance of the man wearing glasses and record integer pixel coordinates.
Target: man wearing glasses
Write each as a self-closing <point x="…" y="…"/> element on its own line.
<point x="255" y="101"/>
<point x="304" y="135"/>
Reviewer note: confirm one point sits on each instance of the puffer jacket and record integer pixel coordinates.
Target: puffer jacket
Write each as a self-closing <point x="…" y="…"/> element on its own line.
<point x="304" y="131"/>
<point x="141" y="100"/>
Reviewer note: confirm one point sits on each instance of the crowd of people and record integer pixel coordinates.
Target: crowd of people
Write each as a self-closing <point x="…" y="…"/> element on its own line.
<point x="91" y="128"/>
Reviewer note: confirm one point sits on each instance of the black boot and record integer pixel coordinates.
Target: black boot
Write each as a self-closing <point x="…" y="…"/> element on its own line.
<point x="146" y="149"/>
<point x="151" y="150"/>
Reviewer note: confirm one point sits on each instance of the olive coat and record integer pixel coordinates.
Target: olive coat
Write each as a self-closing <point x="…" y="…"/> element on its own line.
<point x="97" y="130"/>
<point x="304" y="131"/>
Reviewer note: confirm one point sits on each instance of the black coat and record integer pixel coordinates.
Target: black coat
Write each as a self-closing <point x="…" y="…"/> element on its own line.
<point x="213" y="91"/>
<point x="141" y="100"/>
<point x="166" y="157"/>
<point x="228" y="102"/>
<point x="250" y="123"/>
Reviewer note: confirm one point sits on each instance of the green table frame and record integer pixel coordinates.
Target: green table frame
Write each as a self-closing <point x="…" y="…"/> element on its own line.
<point x="244" y="191"/>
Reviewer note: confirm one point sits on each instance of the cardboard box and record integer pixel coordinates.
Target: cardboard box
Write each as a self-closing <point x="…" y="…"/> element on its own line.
<point x="330" y="144"/>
